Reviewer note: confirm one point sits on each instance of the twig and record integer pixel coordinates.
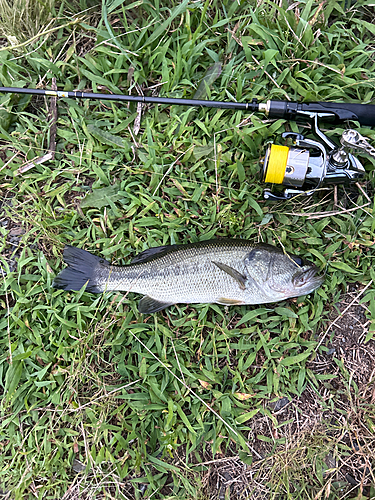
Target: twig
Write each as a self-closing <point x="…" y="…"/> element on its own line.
<point x="270" y="77"/>
<point x="156" y="85"/>
<point x="137" y="121"/>
<point x="178" y="361"/>
<point x="219" y="460"/>
<point x="317" y="63"/>
<point x="94" y="400"/>
<point x="169" y="169"/>
<point x="35" y="162"/>
<point x="8" y="321"/>
<point x="320" y="215"/>
<point x="7" y="163"/>
<point x="135" y="143"/>
<point x="216" y="176"/>
<point x="195" y="395"/>
<point x="87" y="453"/>
<point x="52" y="117"/>
<point x="363" y="191"/>
<point x="44" y="33"/>
<point x="344" y="311"/>
<point x="319" y="204"/>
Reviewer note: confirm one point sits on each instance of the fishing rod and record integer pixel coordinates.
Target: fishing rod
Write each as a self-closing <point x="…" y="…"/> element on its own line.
<point x="303" y="167"/>
<point x="328" y="111"/>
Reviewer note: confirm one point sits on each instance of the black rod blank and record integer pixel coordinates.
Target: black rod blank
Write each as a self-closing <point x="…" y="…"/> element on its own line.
<point x="130" y="98"/>
<point x="335" y="112"/>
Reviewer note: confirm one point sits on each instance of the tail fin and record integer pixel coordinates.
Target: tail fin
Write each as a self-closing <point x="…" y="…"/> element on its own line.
<point x="82" y="269"/>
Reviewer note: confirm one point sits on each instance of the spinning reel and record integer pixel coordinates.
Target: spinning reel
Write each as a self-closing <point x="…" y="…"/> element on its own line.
<point x="310" y="164"/>
<point x="302" y="168"/>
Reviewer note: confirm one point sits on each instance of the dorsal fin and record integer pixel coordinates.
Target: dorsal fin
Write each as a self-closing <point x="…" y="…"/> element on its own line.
<point x="152" y="253"/>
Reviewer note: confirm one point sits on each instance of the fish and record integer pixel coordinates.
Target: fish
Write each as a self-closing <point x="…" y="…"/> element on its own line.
<point x="221" y="271"/>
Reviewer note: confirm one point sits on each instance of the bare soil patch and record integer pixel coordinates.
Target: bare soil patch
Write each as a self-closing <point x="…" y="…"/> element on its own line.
<point x="328" y="422"/>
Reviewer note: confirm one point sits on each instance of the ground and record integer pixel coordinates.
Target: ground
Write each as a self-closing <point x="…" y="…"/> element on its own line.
<point x="194" y="402"/>
<point x="325" y="420"/>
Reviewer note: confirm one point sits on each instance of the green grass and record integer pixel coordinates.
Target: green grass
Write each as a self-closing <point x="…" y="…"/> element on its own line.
<point x="88" y="378"/>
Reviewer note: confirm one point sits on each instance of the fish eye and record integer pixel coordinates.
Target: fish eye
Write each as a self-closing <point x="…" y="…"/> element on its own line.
<point x="297" y="260"/>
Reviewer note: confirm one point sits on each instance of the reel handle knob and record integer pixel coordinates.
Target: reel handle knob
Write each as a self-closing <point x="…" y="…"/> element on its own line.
<point x="352" y="139"/>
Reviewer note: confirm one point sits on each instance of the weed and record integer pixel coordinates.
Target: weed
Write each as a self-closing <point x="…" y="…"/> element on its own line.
<point x="99" y="401"/>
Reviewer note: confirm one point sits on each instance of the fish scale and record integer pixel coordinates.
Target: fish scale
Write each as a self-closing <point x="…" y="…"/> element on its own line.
<point x="156" y="278"/>
<point x="215" y="271"/>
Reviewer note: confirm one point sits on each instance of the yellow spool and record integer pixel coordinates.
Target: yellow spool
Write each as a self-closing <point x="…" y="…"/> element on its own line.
<point x="276" y="166"/>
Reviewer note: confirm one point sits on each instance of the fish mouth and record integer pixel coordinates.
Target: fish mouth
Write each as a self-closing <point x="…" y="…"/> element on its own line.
<point x="316" y="281"/>
<point x="308" y="279"/>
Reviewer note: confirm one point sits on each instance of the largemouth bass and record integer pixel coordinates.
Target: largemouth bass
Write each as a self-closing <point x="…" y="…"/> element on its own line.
<point x="228" y="272"/>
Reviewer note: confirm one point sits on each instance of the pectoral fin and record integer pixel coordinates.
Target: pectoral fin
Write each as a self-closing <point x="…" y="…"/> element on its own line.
<point x="229" y="302"/>
<point x="240" y="278"/>
<point x="148" y="305"/>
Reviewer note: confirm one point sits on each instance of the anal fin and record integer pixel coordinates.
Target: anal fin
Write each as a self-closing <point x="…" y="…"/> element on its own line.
<point x="148" y="305"/>
<point x="229" y="302"/>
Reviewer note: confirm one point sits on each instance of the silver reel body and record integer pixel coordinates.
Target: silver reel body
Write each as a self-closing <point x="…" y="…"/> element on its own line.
<point x="310" y="164"/>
